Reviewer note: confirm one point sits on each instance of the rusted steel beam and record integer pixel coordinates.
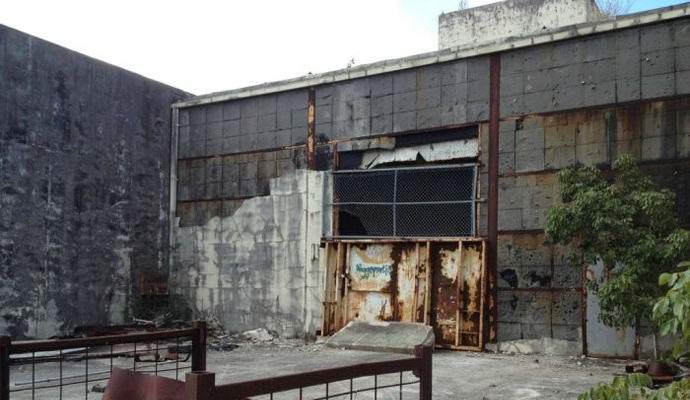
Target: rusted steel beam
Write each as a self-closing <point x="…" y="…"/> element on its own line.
<point x="230" y="198"/>
<point x="538" y="289"/>
<point x="671" y="99"/>
<point x="494" y="118"/>
<point x="240" y="153"/>
<point x="425" y="372"/>
<point x="583" y="309"/>
<point x="62" y="344"/>
<point x="401" y="239"/>
<point x="199" y="346"/>
<point x="311" y="129"/>
<point x="201" y="386"/>
<point x="295" y="381"/>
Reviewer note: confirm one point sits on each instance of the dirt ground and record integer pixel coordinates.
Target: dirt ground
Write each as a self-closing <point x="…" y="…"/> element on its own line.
<point x="457" y="375"/>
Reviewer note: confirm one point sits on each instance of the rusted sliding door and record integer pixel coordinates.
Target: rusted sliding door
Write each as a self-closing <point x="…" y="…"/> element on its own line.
<point x="440" y="283"/>
<point x="458" y="294"/>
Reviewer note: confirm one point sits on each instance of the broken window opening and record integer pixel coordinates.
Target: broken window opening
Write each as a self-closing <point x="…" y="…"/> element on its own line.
<point x="429" y="201"/>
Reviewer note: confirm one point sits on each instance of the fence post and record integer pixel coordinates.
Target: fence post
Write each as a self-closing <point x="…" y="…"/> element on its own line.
<point x="199" y="346"/>
<point x="200" y="385"/>
<point x="424" y="353"/>
<point x="5" y="343"/>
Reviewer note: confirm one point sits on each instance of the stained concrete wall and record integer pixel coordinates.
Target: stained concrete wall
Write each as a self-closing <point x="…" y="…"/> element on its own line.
<point x="510" y="19"/>
<point x="84" y="150"/>
<point x="627" y="65"/>
<point x="557" y="109"/>
<point x="259" y="266"/>
<point x="539" y="286"/>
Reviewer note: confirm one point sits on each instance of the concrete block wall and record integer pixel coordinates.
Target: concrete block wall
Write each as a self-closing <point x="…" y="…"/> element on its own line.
<point x="539" y="288"/>
<point x="623" y="66"/>
<point x="258" y="266"/>
<point x="84" y="175"/>
<point x="513" y="18"/>
<point x="557" y="109"/>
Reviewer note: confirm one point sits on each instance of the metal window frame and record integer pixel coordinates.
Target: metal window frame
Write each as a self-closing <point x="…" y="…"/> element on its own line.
<point x="394" y="203"/>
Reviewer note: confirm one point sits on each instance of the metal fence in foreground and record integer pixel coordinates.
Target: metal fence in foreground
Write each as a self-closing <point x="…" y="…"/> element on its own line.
<point x="69" y="368"/>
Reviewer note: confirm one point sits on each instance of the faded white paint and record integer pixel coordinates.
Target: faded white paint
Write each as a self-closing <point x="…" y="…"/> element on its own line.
<point x="511" y="19"/>
<point x="260" y="266"/>
<point x="456" y="149"/>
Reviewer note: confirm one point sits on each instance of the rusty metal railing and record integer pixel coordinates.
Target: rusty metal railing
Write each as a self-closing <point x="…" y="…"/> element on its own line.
<point x="332" y="383"/>
<point x="51" y="368"/>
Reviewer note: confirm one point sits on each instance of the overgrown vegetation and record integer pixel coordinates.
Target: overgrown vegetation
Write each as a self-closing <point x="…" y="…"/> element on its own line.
<point x="637" y="386"/>
<point x="672" y="311"/>
<point x="627" y="222"/>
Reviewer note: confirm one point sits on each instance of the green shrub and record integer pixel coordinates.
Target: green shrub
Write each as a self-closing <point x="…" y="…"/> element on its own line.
<point x="637" y="387"/>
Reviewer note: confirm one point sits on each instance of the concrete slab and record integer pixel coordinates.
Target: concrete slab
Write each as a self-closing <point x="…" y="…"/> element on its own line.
<point x="393" y="337"/>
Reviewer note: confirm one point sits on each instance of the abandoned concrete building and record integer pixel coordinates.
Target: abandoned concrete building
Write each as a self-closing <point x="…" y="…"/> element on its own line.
<point x="413" y="189"/>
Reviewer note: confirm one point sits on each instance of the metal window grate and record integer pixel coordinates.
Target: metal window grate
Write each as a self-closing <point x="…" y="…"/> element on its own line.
<point x="419" y="201"/>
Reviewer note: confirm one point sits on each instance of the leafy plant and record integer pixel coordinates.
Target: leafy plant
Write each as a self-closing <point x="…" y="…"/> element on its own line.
<point x="637" y="386"/>
<point x="622" y="388"/>
<point x="672" y="311"/>
<point x="628" y="223"/>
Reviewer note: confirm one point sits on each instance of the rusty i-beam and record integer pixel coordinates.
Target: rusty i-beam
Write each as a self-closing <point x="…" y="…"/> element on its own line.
<point x="494" y="117"/>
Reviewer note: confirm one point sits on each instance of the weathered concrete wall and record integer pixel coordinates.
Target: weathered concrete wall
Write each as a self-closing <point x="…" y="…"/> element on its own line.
<point x="557" y="109"/>
<point x="259" y="265"/>
<point x="539" y="287"/>
<point x="628" y="65"/>
<point x="84" y="150"/>
<point x="512" y="18"/>
<point x="428" y="97"/>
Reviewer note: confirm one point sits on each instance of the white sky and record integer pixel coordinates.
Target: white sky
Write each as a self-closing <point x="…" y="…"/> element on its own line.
<point x="206" y="46"/>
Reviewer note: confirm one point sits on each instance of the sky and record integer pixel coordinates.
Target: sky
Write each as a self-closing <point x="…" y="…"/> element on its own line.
<point x="207" y="46"/>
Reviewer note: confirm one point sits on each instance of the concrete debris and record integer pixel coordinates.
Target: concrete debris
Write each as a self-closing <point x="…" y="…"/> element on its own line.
<point x="259" y="335"/>
<point x="395" y="337"/>
<point x="98" y="388"/>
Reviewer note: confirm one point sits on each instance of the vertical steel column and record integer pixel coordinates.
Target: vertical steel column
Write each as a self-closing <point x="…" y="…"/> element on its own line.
<point x="5" y="343"/>
<point x="200" y="385"/>
<point x="311" y="129"/>
<point x="172" y="210"/>
<point x="424" y="353"/>
<point x="199" y="346"/>
<point x="395" y="201"/>
<point x="494" y="117"/>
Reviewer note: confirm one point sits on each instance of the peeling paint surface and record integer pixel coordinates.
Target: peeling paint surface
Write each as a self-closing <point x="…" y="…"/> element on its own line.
<point x="259" y="267"/>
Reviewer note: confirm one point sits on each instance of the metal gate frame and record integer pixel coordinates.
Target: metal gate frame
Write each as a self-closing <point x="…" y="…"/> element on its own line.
<point x="336" y="288"/>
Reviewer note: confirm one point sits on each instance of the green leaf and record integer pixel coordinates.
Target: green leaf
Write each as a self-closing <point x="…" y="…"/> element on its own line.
<point x="664" y="278"/>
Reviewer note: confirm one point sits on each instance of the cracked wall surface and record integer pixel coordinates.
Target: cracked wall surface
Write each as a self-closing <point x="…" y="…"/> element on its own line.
<point x="84" y="150"/>
<point x="585" y="100"/>
<point x="259" y="266"/>
<point x="510" y="19"/>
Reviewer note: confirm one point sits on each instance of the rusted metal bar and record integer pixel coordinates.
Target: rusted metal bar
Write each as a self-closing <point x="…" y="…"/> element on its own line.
<point x="459" y="288"/>
<point x="427" y="283"/>
<point x="295" y="381"/>
<point x="5" y="343"/>
<point x="199" y="346"/>
<point x="482" y="297"/>
<point x="201" y="386"/>
<point x="424" y="353"/>
<point x="583" y="312"/>
<point x="494" y="118"/>
<point x="400" y="239"/>
<point x="62" y="344"/>
<point x="311" y="129"/>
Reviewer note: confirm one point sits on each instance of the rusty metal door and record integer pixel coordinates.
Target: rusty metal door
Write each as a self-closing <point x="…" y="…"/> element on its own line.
<point x="458" y="296"/>
<point x="411" y="281"/>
